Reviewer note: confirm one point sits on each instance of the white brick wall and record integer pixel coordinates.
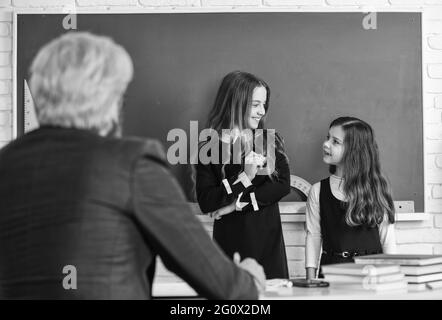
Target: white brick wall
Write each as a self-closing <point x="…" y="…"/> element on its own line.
<point x="407" y="225"/>
<point x="209" y="3"/>
<point x="5" y="44"/>
<point x="437" y="249"/>
<point x="5" y="59"/>
<point x="439" y="161"/>
<point x="433" y="147"/>
<point x="434" y="205"/>
<point x="5" y="134"/>
<point x="291" y="3"/>
<point x="438" y="222"/>
<point x="357" y="2"/>
<point x="433" y="116"/>
<point x="424" y="236"/>
<point x="87" y="3"/>
<point x="435" y="42"/>
<point x="5" y="76"/>
<point x="163" y="3"/>
<point x="41" y="3"/>
<point x="438" y="101"/>
<point x="5" y="87"/>
<point x="436" y="191"/>
<point x="435" y="70"/>
<point x="5" y="119"/>
<point x="5" y="102"/>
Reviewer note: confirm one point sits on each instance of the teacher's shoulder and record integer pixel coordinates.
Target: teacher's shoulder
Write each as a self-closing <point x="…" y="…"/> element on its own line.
<point x="140" y="147"/>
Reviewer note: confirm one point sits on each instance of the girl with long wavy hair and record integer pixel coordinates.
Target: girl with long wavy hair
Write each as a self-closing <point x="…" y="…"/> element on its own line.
<point x="352" y="211"/>
<point x="241" y="189"/>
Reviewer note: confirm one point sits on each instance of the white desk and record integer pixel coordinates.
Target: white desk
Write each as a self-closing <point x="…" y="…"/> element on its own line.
<point x="331" y="293"/>
<point x="180" y="289"/>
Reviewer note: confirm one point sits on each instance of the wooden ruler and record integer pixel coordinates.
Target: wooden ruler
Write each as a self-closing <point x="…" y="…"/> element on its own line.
<point x="30" y="117"/>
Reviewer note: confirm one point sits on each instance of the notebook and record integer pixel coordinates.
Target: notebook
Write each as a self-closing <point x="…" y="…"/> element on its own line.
<point x="419" y="270"/>
<point x="359" y="269"/>
<point x="434" y="285"/>
<point x="343" y="278"/>
<point x="400" y="259"/>
<point x="424" y="278"/>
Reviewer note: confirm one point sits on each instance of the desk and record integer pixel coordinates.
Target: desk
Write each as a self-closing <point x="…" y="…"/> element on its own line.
<point x="330" y="293"/>
<point x="180" y="289"/>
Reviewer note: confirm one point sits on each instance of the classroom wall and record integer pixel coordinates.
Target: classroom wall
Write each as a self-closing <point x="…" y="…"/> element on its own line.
<point x="412" y="236"/>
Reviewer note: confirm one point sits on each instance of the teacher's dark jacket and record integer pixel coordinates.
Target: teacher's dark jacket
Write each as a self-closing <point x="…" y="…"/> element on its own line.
<point x="108" y="207"/>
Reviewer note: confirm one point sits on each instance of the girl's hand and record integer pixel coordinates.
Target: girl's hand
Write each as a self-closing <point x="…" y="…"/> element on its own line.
<point x="252" y="162"/>
<point x="222" y="211"/>
<point x="251" y="170"/>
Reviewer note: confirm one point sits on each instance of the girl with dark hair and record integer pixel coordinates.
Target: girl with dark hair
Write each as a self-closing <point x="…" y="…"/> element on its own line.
<point x="352" y="211"/>
<point x="241" y="190"/>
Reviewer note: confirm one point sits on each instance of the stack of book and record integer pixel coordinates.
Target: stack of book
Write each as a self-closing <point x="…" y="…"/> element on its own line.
<point x="421" y="271"/>
<point x="351" y="276"/>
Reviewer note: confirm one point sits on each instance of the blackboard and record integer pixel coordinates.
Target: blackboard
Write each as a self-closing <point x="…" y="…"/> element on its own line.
<point x="318" y="65"/>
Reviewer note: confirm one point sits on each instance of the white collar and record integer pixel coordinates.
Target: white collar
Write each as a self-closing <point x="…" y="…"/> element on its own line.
<point x="333" y="176"/>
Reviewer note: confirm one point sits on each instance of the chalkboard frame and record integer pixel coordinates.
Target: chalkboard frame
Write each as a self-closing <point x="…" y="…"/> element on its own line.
<point x="19" y="12"/>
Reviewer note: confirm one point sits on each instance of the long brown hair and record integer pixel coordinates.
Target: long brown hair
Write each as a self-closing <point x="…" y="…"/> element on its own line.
<point x="233" y="101"/>
<point x="232" y="108"/>
<point x="366" y="188"/>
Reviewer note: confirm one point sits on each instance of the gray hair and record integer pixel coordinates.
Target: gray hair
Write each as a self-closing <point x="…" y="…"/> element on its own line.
<point x="78" y="80"/>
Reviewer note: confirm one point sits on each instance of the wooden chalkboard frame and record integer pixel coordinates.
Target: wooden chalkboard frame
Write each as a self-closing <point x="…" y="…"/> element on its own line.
<point x="215" y="10"/>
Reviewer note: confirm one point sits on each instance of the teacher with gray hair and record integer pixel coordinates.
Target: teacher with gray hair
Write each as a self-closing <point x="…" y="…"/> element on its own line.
<point x="75" y="196"/>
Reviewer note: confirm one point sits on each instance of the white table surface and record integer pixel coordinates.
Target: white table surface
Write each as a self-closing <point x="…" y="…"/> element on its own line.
<point x="181" y="289"/>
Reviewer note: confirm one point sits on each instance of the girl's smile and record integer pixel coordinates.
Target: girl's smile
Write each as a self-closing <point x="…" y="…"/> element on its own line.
<point x="257" y="109"/>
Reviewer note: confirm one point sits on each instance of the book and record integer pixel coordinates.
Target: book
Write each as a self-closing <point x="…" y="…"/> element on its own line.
<point x="424" y="278"/>
<point x="399" y="285"/>
<point x="358" y="269"/>
<point x="400" y="259"/>
<point x="418" y="270"/>
<point x="434" y="285"/>
<point x="343" y="278"/>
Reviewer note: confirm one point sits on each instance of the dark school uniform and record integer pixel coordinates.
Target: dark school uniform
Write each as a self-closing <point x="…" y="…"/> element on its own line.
<point x="341" y="242"/>
<point x="256" y="230"/>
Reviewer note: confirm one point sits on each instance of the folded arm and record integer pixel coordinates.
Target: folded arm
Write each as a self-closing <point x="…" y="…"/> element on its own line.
<point x="272" y="190"/>
<point x="212" y="194"/>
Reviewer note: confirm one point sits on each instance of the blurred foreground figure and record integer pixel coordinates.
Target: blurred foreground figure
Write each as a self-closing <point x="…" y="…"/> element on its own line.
<point x="83" y="212"/>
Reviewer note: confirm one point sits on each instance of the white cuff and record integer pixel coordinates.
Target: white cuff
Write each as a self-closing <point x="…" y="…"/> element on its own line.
<point x="254" y="203"/>
<point x="239" y="205"/>
<point x="244" y="179"/>
<point x="227" y="186"/>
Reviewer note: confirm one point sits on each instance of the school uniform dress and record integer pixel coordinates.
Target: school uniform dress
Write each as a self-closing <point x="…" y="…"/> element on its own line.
<point x="255" y="229"/>
<point x="342" y="242"/>
<point x="325" y="221"/>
